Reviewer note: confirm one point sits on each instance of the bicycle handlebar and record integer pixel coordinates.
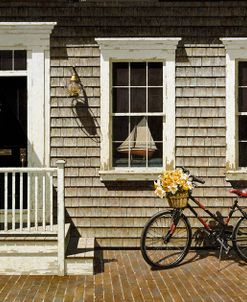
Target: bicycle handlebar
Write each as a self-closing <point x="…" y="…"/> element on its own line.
<point x="194" y="178"/>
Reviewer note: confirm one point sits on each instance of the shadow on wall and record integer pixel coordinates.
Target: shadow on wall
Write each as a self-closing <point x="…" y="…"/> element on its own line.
<point x="85" y="117"/>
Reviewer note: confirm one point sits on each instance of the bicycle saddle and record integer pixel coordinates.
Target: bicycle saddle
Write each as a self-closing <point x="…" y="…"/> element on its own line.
<point x="239" y="192"/>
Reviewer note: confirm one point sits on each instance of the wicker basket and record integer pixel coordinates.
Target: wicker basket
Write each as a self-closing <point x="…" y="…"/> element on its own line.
<point x="179" y="200"/>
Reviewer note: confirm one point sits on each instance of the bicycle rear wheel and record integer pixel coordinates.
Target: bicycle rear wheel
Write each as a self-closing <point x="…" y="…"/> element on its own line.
<point x="165" y="243"/>
<point x="240" y="238"/>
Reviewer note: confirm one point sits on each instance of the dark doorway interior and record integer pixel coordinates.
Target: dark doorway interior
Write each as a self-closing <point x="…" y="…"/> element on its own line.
<point x="13" y="121"/>
<point x="13" y="134"/>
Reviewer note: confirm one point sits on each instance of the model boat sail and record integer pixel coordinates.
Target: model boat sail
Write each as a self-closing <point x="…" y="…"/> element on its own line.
<point x="140" y="141"/>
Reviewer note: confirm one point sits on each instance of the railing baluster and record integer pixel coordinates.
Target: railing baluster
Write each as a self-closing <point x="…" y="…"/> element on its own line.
<point x="36" y="208"/>
<point x="44" y="205"/>
<point x="36" y="201"/>
<point x="51" y="202"/>
<point x="21" y="201"/>
<point x="28" y="200"/>
<point x="5" y="201"/>
<point x="13" y="201"/>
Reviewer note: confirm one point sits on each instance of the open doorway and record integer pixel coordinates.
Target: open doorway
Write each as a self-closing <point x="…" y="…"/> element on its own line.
<point x="13" y="133"/>
<point x="13" y="121"/>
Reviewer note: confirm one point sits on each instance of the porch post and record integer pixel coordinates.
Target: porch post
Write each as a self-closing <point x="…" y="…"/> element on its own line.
<point x="60" y="218"/>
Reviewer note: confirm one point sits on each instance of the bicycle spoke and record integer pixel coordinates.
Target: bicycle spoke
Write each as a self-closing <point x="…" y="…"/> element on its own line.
<point x="161" y="247"/>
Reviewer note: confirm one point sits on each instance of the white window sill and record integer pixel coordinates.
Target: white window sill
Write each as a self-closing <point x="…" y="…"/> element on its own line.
<point x="236" y="175"/>
<point x="130" y="174"/>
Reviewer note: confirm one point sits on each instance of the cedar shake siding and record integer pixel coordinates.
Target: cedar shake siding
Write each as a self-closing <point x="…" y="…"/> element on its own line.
<point x="115" y="212"/>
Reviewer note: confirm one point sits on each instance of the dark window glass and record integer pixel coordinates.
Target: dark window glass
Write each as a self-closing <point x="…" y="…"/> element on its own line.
<point x="155" y="124"/>
<point x="155" y="159"/>
<point x="155" y="99"/>
<point x="242" y="154"/>
<point x="6" y="60"/>
<point x="242" y="99"/>
<point x="120" y="159"/>
<point x="20" y="60"/>
<point x="120" y="100"/>
<point x="155" y="74"/>
<point x="120" y="74"/>
<point x="120" y="129"/>
<point x="242" y="126"/>
<point x="242" y="73"/>
<point x="138" y="100"/>
<point x="138" y="74"/>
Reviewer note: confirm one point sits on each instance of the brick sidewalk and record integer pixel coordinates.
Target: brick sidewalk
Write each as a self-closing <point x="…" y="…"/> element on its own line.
<point x="124" y="276"/>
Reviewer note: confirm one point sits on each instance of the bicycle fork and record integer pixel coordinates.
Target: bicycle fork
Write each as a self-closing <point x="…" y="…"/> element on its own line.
<point x="176" y="217"/>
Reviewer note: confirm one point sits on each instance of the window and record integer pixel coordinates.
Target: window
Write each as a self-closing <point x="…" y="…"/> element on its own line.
<point x="137" y="107"/>
<point x="13" y="60"/>
<point x="242" y="114"/>
<point x="236" y="108"/>
<point x="25" y="53"/>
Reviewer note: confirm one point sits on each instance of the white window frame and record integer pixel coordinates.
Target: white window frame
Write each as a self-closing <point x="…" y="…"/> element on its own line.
<point x="34" y="37"/>
<point x="137" y="49"/>
<point x="236" y="50"/>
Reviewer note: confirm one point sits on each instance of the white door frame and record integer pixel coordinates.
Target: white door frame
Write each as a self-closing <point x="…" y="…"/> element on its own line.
<point x="34" y="37"/>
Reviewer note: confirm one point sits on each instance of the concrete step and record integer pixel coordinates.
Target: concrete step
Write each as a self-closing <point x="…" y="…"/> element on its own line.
<point x="80" y="256"/>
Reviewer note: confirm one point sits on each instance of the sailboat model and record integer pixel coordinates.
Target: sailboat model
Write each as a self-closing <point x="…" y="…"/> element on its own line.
<point x="140" y="141"/>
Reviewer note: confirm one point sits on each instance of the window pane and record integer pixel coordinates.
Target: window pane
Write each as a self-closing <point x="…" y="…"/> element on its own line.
<point x="20" y="59"/>
<point x="242" y="154"/>
<point x="120" y="74"/>
<point x="120" y="128"/>
<point x="155" y="159"/>
<point x="137" y="161"/>
<point x="155" y="96"/>
<point x="138" y="100"/>
<point x="120" y="159"/>
<point x="6" y="60"/>
<point x="120" y="100"/>
<point x="155" y="74"/>
<point x="138" y="74"/>
<point x="155" y="126"/>
<point x="138" y="139"/>
<point x="242" y="73"/>
<point x="242" y="99"/>
<point x="242" y="126"/>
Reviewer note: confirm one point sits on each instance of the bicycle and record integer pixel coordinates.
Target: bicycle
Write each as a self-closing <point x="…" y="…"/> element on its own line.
<point x="167" y="235"/>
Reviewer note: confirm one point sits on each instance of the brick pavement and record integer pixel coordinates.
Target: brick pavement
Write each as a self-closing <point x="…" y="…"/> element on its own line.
<point x="124" y="276"/>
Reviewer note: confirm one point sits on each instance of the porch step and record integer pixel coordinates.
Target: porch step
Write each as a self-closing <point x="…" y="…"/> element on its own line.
<point x="80" y="256"/>
<point x="23" y="253"/>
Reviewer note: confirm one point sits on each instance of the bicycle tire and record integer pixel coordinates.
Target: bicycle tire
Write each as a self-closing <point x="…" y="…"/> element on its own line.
<point x="161" y="254"/>
<point x="240" y="238"/>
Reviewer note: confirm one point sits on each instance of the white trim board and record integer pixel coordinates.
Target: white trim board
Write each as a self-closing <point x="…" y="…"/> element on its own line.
<point x="236" y="50"/>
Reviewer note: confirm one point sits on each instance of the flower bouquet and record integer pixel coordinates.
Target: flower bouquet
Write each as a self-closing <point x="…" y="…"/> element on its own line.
<point x="175" y="185"/>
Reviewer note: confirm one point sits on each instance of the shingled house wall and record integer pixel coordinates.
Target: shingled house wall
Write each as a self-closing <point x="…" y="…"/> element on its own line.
<point x="115" y="213"/>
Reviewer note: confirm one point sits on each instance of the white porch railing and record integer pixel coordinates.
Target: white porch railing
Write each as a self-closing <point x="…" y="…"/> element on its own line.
<point x="28" y="204"/>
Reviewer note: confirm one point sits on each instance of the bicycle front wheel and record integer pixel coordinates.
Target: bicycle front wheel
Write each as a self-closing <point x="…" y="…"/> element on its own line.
<point x="240" y="238"/>
<point x="165" y="243"/>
